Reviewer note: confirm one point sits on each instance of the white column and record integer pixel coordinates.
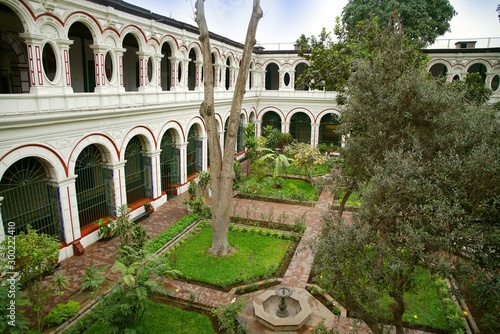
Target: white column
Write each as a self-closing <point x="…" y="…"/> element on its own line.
<point x="155" y="173"/>
<point x="117" y="179"/>
<point x="314" y="134"/>
<point x="204" y="153"/>
<point x="182" y="162"/>
<point x="69" y="208"/>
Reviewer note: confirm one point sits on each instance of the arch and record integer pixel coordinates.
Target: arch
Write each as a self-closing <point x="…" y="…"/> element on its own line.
<point x="25" y="16"/>
<point x="271" y="118"/>
<point x="146" y="136"/>
<point x="300" y="127"/>
<point x="87" y="20"/>
<point x="14" y="67"/>
<point x="478" y="67"/>
<point x="93" y="193"/>
<point x="105" y="143"/>
<point x="51" y="159"/>
<point x="29" y="198"/>
<point x="170" y="162"/>
<point x="327" y="137"/>
<point x="130" y="60"/>
<point x="272" y="76"/>
<point x="194" y="152"/>
<point x="438" y="70"/>
<point x="81" y="58"/>
<point x="192" y="71"/>
<point x="138" y="174"/>
<point x="199" y="121"/>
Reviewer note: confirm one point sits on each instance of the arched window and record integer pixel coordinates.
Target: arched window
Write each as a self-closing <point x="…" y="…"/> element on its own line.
<point x="169" y="164"/>
<point x="194" y="151"/>
<point x="272" y="77"/>
<point x="28" y="198"/>
<point x="136" y="172"/>
<point x="328" y="131"/>
<point x="82" y="59"/>
<point x="90" y="186"/>
<point x="271" y="118"/>
<point x="300" y="127"/>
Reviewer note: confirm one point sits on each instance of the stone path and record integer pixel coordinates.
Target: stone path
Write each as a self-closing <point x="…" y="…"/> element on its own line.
<point x="103" y="253"/>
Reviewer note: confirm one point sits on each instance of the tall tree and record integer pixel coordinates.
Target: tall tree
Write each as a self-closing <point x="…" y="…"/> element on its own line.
<point x="428" y="165"/>
<point x="422" y="20"/>
<point x="221" y="165"/>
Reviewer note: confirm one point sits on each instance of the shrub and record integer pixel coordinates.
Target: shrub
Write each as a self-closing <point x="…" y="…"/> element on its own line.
<point x="227" y="316"/>
<point x="61" y="312"/>
<point x="179" y="226"/>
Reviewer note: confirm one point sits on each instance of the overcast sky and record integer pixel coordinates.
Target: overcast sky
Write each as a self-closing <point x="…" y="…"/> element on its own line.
<point x="285" y="20"/>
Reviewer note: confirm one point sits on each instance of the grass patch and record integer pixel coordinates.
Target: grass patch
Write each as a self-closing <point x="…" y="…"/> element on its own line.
<point x="424" y="303"/>
<point x="292" y="189"/>
<point x="161" y="318"/>
<point x="316" y="170"/>
<point x="354" y="199"/>
<point x="257" y="256"/>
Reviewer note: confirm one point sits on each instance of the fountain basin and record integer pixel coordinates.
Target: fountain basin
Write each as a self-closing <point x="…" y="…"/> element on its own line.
<point x="266" y="304"/>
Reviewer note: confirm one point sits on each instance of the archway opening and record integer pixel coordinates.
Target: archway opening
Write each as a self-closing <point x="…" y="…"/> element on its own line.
<point x="300" y="127"/>
<point x="328" y="136"/>
<point x="272" y="77"/>
<point x="169" y="164"/>
<point x="81" y="59"/>
<point x="137" y="172"/>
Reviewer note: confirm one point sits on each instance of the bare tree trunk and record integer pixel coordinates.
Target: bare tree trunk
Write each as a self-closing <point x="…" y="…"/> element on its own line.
<point x="221" y="166"/>
<point x="344" y="201"/>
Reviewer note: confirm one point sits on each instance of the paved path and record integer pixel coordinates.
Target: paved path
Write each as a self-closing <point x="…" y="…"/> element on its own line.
<point x="103" y="253"/>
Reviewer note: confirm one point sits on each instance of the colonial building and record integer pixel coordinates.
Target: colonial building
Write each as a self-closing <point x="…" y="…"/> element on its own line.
<point x="99" y="107"/>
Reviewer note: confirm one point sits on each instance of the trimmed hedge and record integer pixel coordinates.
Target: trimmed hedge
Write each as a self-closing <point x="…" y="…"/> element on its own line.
<point x="61" y="312"/>
<point x="177" y="228"/>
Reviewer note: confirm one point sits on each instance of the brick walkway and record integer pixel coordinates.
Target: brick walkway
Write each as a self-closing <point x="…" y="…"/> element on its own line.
<point x="103" y="253"/>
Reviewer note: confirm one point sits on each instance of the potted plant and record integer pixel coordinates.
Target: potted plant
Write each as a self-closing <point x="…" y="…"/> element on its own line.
<point x="105" y="229"/>
<point x="148" y="207"/>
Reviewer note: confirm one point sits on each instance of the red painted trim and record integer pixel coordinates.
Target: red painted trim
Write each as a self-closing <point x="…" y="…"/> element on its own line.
<point x="70" y="215"/>
<point x="37" y="145"/>
<point x="90" y="135"/>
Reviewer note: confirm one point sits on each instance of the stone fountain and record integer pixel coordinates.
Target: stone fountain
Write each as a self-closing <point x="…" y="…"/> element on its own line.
<point x="282" y="309"/>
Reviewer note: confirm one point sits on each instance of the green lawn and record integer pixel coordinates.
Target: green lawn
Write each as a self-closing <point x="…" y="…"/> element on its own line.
<point x="161" y="319"/>
<point x="256" y="256"/>
<point x="292" y="189"/>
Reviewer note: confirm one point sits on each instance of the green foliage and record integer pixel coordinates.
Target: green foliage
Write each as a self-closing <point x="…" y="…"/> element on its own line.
<point x="177" y="228"/>
<point x="290" y="189"/>
<point x="123" y="225"/>
<point x="257" y="256"/>
<point x="322" y="329"/>
<point x="421" y="20"/>
<point x="12" y="299"/>
<point x="227" y="317"/>
<point x="61" y="312"/>
<point x="36" y="255"/>
<point x="127" y="301"/>
<point x="161" y="319"/>
<point x="306" y="156"/>
<point x="414" y="153"/>
<point x="475" y="90"/>
<point x="92" y="279"/>
<point x="105" y="228"/>
<point x="278" y="160"/>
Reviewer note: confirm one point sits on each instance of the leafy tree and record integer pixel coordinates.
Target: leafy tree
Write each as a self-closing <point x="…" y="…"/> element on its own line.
<point x="475" y="90"/>
<point x="428" y="165"/>
<point x="422" y="20"/>
<point x="221" y="163"/>
<point x="306" y="156"/>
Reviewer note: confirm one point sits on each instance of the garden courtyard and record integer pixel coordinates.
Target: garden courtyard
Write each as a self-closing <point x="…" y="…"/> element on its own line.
<point x="297" y="274"/>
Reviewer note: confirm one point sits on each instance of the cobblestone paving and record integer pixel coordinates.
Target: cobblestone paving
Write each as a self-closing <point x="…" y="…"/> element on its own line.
<point x="103" y="253"/>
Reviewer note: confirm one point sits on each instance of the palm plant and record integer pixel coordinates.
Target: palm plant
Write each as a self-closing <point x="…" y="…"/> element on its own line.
<point x="128" y="299"/>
